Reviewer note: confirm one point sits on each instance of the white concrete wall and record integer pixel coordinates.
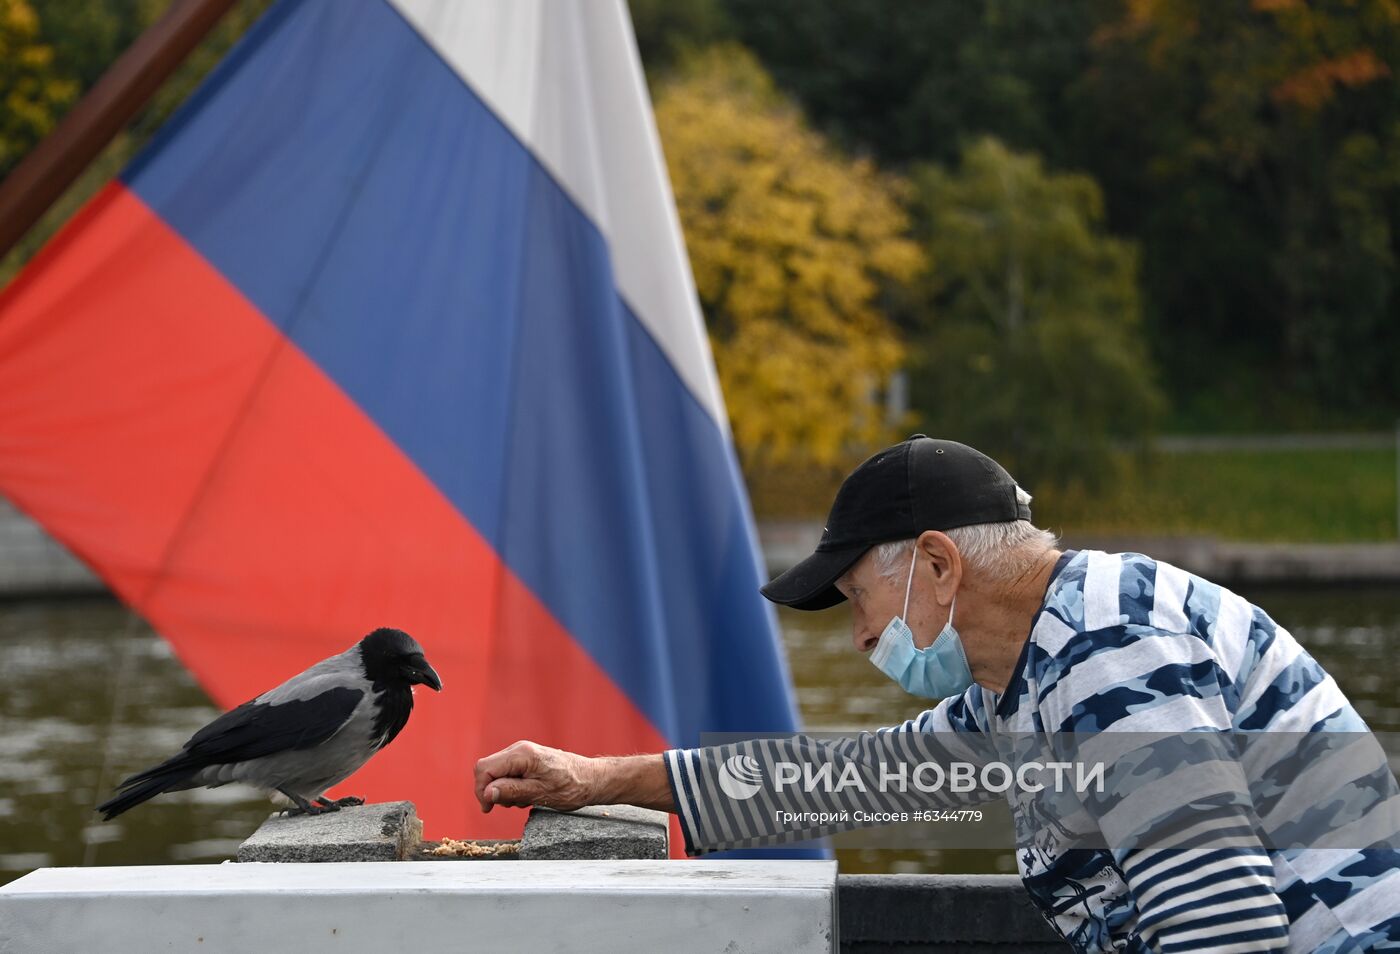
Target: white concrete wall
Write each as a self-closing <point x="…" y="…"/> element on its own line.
<point x="586" y="906"/>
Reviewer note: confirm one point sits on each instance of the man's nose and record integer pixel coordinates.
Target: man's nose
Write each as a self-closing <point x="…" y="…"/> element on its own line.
<point x="864" y="639"/>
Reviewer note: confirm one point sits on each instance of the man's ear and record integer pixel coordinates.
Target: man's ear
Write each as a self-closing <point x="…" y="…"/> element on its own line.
<point x="941" y="553"/>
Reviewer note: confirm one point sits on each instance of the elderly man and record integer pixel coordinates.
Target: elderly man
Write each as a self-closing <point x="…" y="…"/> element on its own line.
<point x="1194" y="842"/>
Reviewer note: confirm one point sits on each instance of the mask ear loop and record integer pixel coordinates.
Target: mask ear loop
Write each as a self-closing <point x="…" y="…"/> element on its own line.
<point x="907" y="586"/>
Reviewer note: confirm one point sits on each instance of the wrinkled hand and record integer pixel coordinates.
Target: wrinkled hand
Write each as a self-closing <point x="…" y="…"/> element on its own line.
<point x="529" y="774"/>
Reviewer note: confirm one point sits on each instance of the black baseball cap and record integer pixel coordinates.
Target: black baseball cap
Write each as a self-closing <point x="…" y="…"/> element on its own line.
<point x="918" y="484"/>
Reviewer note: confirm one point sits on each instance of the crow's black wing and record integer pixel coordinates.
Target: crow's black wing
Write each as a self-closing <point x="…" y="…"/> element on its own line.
<point x="257" y="729"/>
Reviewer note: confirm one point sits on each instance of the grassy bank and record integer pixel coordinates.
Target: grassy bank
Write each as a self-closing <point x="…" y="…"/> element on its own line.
<point x="1312" y="495"/>
<point x="1325" y="496"/>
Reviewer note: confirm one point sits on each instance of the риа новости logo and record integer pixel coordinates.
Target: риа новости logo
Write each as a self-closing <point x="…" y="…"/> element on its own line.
<point x="740" y="777"/>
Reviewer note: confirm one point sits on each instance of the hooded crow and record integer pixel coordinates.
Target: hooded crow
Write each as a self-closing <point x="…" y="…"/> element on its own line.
<point x="301" y="738"/>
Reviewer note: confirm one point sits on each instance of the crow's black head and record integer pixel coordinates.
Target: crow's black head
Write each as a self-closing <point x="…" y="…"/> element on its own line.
<point x="392" y="658"/>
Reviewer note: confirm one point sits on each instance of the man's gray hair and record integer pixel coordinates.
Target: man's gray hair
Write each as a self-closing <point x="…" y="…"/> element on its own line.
<point x="997" y="551"/>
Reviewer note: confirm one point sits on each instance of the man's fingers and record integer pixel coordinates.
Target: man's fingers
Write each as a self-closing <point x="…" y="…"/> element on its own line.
<point x="506" y="763"/>
<point x="515" y="792"/>
<point x="517" y="761"/>
<point x="509" y="761"/>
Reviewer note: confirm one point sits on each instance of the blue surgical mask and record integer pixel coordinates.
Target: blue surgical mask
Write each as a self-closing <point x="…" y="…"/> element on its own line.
<point x="936" y="672"/>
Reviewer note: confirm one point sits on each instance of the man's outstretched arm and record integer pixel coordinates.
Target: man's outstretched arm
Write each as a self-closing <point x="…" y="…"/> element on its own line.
<point x="715" y="816"/>
<point x="527" y="773"/>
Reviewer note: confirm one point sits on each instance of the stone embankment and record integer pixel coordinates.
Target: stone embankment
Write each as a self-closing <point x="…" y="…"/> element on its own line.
<point x="1226" y="562"/>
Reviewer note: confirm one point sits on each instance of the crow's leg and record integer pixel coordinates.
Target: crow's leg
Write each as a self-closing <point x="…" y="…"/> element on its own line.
<point x="339" y="803"/>
<point x="303" y="807"/>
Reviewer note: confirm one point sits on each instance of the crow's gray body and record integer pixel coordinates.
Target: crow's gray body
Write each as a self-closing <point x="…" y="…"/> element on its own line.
<point x="307" y="773"/>
<point x="310" y="733"/>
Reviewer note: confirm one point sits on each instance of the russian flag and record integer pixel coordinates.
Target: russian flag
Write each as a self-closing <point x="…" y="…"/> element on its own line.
<point x="393" y="325"/>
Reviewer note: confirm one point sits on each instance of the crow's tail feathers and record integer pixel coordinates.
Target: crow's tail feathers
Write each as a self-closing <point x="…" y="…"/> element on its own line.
<point x="148" y="784"/>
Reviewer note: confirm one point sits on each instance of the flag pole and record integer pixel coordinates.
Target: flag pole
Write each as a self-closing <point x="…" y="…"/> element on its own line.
<point x="52" y="165"/>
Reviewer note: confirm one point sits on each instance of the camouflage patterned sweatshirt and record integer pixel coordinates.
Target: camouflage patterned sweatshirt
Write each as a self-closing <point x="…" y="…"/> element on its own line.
<point x="1193" y="842"/>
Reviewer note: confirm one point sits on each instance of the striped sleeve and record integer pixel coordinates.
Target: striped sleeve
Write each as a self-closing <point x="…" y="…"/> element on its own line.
<point x="743" y="794"/>
<point x="1174" y="808"/>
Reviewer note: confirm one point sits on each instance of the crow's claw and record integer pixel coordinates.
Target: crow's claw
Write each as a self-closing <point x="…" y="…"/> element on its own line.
<point x="349" y="801"/>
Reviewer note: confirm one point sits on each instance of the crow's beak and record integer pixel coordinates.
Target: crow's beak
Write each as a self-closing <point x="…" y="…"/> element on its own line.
<point x="426" y="675"/>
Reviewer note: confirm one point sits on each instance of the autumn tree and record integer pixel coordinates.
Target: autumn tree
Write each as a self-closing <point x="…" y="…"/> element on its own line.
<point x="32" y="93"/>
<point x="1036" y="355"/>
<point x="791" y="244"/>
<point x="1254" y="146"/>
<point x="1250" y="147"/>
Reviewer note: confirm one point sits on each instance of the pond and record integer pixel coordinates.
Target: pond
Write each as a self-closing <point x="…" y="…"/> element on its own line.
<point x="88" y="692"/>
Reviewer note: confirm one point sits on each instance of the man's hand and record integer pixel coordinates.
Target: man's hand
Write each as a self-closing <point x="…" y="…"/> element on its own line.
<point x="530" y="774"/>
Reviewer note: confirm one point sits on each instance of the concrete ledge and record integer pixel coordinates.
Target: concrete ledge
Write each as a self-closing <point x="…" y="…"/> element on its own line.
<point x="918" y="913"/>
<point x="1227" y="562"/>
<point x="386" y="831"/>
<point x="391" y="831"/>
<point x="599" y="832"/>
<point x="893" y="914"/>
<point x="1241" y="564"/>
<point x="527" y="906"/>
<point x="33" y="564"/>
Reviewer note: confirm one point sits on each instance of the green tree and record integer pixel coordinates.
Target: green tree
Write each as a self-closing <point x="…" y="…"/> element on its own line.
<point x="666" y="30"/>
<point x="915" y="80"/>
<point x="87" y="35"/>
<point x="1035" y="353"/>
<point x="1254" y="147"/>
<point x="792" y="245"/>
<point x="32" y="92"/>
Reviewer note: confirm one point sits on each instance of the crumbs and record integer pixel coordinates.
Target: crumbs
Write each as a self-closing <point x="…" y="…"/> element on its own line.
<point x="452" y="848"/>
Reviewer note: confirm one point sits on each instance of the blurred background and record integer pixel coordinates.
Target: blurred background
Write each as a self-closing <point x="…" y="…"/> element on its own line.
<point x="1142" y="252"/>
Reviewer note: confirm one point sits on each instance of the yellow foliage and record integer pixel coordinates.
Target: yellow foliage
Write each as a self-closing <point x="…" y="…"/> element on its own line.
<point x="31" y="96"/>
<point x="791" y="245"/>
